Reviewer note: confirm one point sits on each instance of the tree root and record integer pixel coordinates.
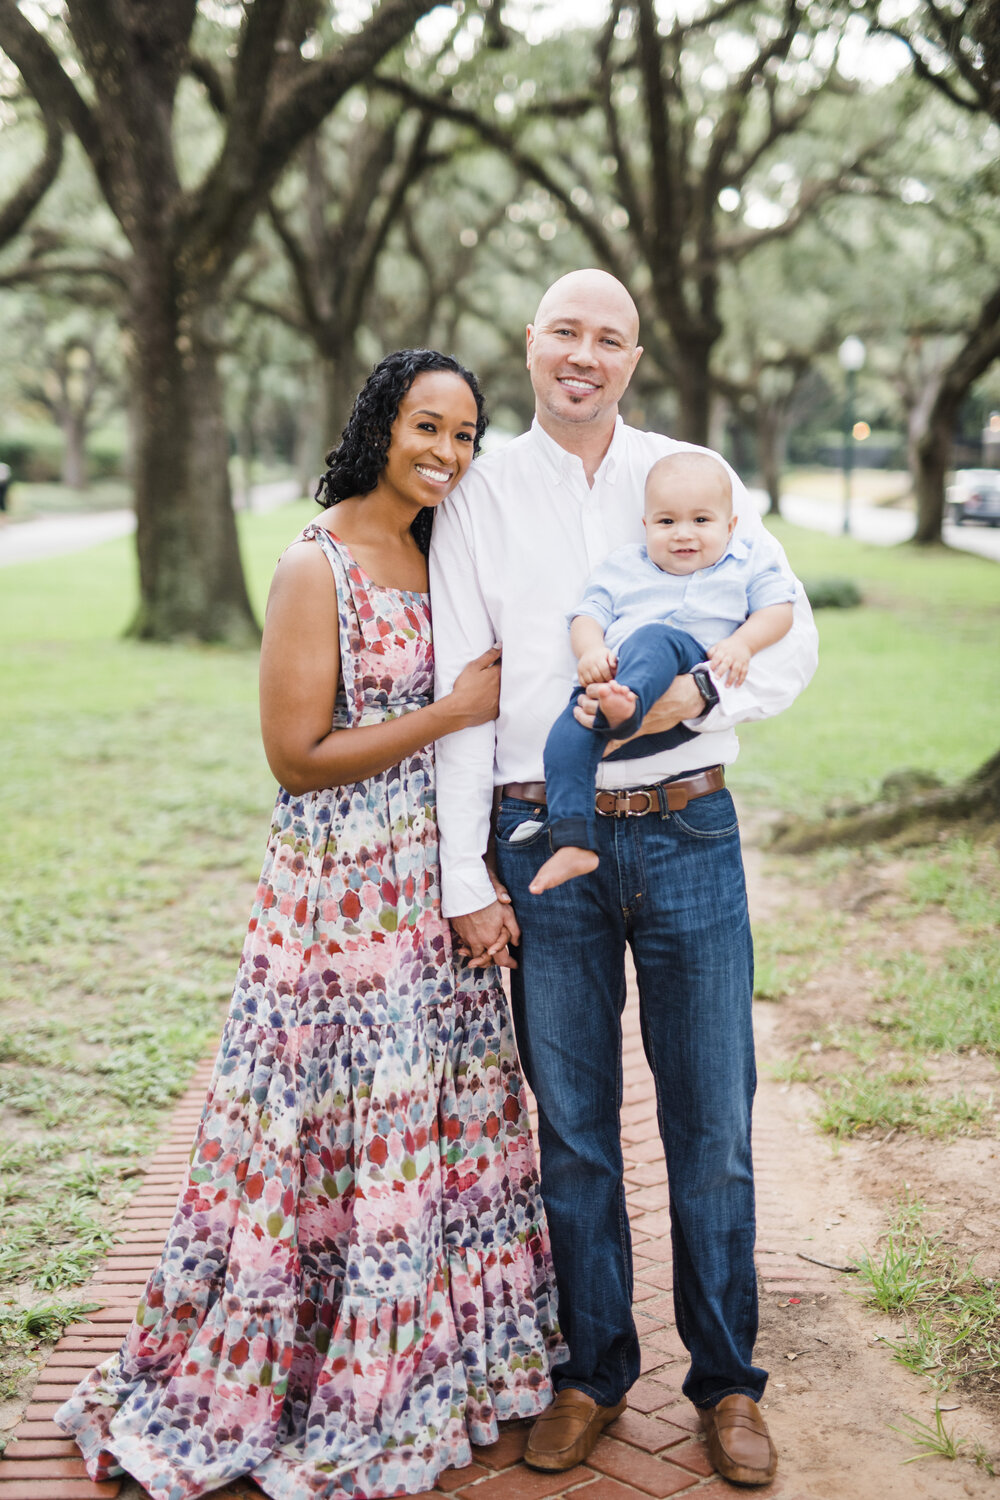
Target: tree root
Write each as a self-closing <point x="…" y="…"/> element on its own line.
<point x="917" y="817"/>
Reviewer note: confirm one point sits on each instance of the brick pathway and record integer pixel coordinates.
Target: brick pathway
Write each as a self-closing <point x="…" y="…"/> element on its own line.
<point x="654" y="1450"/>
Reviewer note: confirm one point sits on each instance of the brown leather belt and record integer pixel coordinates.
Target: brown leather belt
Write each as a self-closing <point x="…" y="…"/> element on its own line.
<point x="635" y="802"/>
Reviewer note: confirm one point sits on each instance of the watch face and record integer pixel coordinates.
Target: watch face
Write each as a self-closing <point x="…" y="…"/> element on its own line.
<point x="706" y="687"/>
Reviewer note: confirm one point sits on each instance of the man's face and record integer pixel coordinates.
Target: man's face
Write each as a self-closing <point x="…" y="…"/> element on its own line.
<point x="581" y="352"/>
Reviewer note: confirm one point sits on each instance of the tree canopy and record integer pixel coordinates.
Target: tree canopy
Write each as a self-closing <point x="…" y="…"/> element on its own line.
<point x="260" y="199"/>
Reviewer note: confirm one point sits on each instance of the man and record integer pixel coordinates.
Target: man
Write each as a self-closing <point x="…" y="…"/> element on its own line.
<point x="512" y="548"/>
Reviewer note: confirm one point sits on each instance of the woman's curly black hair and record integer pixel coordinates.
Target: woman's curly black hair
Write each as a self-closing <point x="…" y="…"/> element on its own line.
<point x="355" y="465"/>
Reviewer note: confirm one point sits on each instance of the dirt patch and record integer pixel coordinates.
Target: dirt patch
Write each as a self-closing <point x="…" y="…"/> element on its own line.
<point x="833" y="1406"/>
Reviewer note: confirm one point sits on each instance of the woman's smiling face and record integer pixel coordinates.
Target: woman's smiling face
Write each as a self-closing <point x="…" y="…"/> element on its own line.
<point x="433" y="438"/>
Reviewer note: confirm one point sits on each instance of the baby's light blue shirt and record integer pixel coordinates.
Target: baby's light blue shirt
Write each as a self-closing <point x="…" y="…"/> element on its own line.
<point x="629" y="590"/>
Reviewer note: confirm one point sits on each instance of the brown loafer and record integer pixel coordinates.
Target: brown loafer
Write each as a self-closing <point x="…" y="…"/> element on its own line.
<point x="739" y="1443"/>
<point x="565" y="1434"/>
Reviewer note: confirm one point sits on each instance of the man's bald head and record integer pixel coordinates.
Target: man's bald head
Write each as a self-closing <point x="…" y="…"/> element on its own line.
<point x="602" y="294"/>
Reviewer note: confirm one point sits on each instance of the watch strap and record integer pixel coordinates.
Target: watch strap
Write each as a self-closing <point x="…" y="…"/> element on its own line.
<point x="706" y="687"/>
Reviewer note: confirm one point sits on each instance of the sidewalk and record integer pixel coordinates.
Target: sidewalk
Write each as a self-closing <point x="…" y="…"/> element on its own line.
<point x="53" y="536"/>
<point x="884" y="525"/>
<point x="653" y="1450"/>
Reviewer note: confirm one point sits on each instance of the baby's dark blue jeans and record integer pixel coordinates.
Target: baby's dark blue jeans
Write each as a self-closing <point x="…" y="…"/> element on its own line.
<point x="648" y="661"/>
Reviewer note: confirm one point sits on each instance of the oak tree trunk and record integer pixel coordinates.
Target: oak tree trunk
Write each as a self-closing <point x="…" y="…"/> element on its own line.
<point x="191" y="577"/>
<point x="771" y="441"/>
<point x="310" y="435"/>
<point x="932" y="457"/>
<point x="341" y="378"/>
<point x="74" y="459"/>
<point x="694" y="394"/>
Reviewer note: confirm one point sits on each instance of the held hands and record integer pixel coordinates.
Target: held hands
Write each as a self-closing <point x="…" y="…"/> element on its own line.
<point x="475" y="697"/>
<point x="731" y="658"/>
<point x="481" y="937"/>
<point x="596" y="665"/>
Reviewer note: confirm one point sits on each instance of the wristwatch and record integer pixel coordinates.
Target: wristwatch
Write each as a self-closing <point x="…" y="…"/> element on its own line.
<point x="706" y="687"/>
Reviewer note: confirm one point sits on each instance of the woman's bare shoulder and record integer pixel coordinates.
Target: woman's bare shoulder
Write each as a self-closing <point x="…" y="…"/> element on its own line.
<point x="303" y="577"/>
<point x="302" y="560"/>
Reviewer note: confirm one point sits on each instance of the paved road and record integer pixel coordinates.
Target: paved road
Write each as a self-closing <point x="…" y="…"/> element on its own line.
<point x="882" y="525"/>
<point x="50" y="536"/>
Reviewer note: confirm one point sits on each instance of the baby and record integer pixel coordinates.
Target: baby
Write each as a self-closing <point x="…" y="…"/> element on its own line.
<point x="651" y="611"/>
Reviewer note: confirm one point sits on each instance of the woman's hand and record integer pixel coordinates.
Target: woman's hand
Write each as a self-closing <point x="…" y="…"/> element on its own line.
<point x="475" y="698"/>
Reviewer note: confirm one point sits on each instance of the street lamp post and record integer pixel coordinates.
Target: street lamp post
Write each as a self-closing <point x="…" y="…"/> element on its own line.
<point x="851" y="355"/>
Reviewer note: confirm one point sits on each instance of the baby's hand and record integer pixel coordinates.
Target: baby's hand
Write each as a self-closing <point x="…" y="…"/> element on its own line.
<point x="597" y="665"/>
<point x="731" y="659"/>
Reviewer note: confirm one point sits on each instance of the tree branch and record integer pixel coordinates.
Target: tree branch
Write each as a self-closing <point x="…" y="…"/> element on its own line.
<point x="523" y="161"/>
<point x="939" y="81"/>
<point x="321" y="84"/>
<point x="45" y="77"/>
<point x="377" y="226"/>
<point x="273" y="310"/>
<point x="980" y="349"/>
<point x="849" y="179"/>
<point x="34" y="270"/>
<point x="250" y="165"/>
<point x="628" y="190"/>
<point x="23" y="202"/>
<point x="211" y="80"/>
<point x="299" y="264"/>
<point x="662" y="168"/>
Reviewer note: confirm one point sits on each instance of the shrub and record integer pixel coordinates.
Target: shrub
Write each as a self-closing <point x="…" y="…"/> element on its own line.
<point x="832" y="593"/>
<point x="35" y="452"/>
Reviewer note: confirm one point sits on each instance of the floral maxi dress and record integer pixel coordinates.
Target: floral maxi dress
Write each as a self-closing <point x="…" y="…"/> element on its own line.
<point x="357" y="1282"/>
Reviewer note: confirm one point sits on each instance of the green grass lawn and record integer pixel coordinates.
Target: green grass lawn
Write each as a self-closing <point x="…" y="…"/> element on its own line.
<point x="909" y="680"/>
<point x="134" y="808"/>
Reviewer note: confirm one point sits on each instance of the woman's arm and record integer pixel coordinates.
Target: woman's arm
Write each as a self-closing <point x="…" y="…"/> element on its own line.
<point x="300" y="674"/>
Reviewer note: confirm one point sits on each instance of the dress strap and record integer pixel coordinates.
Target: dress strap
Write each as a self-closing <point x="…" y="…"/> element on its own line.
<point x="352" y="599"/>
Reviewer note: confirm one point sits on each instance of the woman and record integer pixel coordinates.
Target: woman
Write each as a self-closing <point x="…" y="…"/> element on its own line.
<point x="356" y="1284"/>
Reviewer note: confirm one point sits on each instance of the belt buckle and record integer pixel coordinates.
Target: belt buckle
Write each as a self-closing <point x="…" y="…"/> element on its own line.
<point x="623" y="799"/>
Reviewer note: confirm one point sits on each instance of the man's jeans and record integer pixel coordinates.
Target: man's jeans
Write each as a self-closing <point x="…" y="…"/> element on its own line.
<point x="648" y="661"/>
<point x="673" y="889"/>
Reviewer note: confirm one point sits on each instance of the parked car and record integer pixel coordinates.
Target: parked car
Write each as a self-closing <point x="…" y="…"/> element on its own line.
<point x="975" y="496"/>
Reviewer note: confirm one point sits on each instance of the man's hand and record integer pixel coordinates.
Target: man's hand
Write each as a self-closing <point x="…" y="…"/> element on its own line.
<point x="681" y="701"/>
<point x="482" y="936"/>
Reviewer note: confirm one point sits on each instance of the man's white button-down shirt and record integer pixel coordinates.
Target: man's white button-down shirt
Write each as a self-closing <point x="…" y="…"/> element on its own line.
<point x="512" y="548"/>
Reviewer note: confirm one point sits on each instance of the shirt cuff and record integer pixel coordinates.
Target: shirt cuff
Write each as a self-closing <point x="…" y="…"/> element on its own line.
<point x="466" y="887"/>
<point x="736" y="705"/>
<point x="721" y="714"/>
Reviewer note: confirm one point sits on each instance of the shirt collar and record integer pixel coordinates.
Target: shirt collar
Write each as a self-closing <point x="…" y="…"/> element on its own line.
<point x="566" y="466"/>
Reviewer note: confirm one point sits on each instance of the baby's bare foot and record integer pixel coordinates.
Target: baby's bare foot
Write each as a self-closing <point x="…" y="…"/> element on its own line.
<point x="564" y="865"/>
<point x="615" y="700"/>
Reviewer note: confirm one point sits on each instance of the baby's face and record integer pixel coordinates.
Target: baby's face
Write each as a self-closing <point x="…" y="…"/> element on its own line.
<point x="688" y="525"/>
